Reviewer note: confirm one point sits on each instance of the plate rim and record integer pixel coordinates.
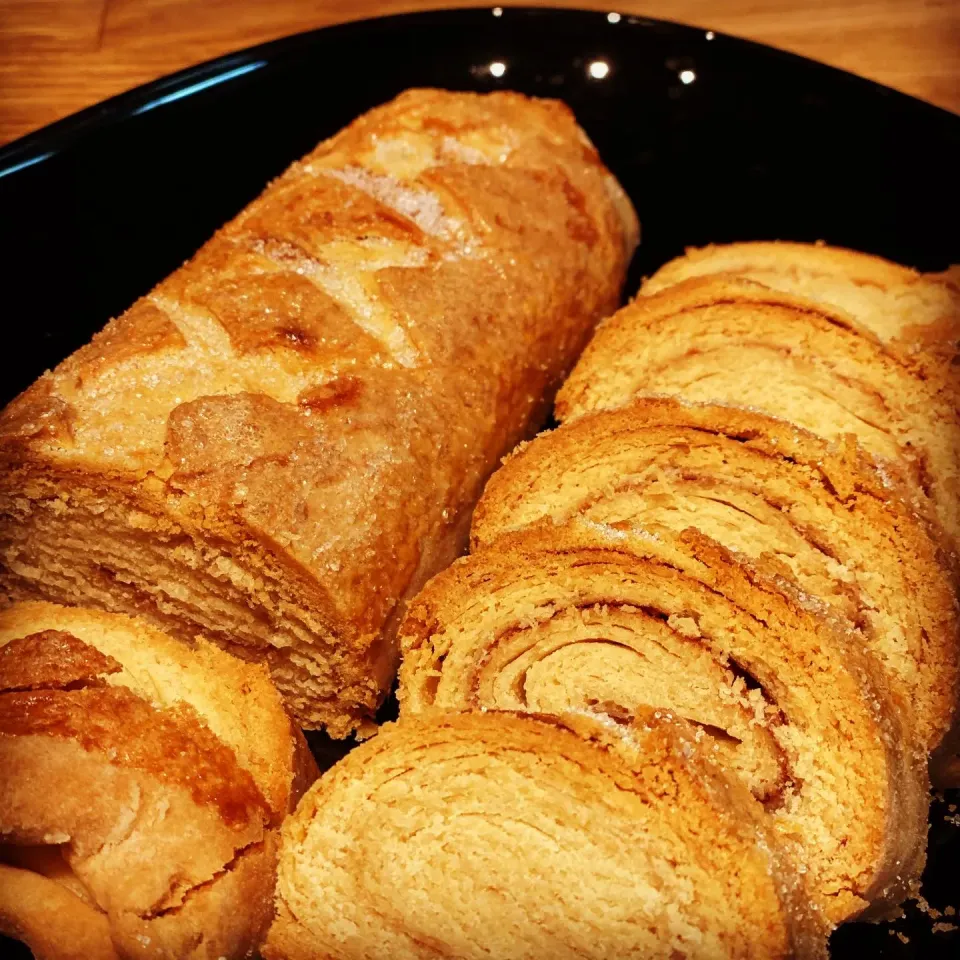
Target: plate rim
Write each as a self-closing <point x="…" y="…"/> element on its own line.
<point x="42" y="144"/>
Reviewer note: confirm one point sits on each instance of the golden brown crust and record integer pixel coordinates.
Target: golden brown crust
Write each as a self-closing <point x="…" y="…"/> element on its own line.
<point x="292" y="428"/>
<point x="743" y="259"/>
<point x="602" y="832"/>
<point x="766" y="488"/>
<point x="172" y="746"/>
<point x="916" y="315"/>
<point x="36" y="414"/>
<point x="141" y="847"/>
<point x="204" y="925"/>
<point x="532" y="622"/>
<point x="899" y="304"/>
<point x="235" y="699"/>
<point x="51" y="658"/>
<point x="132" y="771"/>
<point x="143" y="331"/>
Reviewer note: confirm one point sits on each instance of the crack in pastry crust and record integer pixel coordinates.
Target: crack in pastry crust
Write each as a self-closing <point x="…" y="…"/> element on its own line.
<point x="51" y="659"/>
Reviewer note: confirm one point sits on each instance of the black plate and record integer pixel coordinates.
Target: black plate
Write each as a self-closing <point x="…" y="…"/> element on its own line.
<point x="716" y="139"/>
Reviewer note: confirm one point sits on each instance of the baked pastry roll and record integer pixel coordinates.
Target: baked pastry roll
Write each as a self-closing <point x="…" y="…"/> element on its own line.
<point x="481" y="835"/>
<point x="284" y="440"/>
<point x="733" y="341"/>
<point x="767" y="489"/>
<point x="590" y="618"/>
<point x="142" y="785"/>
<point x="897" y="303"/>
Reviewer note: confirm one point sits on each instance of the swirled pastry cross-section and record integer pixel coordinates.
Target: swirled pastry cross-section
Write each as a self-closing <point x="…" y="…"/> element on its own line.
<point x="478" y="835"/>
<point x="589" y="618"/>
<point x="736" y="342"/>
<point x="762" y="487"/>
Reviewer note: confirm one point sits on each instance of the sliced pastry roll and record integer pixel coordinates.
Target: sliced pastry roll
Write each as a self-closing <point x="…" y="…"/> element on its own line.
<point x="895" y="302"/>
<point x="478" y="835"/>
<point x="586" y="617"/>
<point x="279" y="444"/>
<point x="734" y="341"/>
<point x="142" y="784"/>
<point x="763" y="487"/>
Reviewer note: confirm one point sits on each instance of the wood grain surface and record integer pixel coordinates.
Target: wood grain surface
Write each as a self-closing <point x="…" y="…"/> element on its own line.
<point x="57" y="56"/>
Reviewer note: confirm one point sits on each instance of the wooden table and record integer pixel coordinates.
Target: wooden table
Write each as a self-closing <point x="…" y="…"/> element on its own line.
<point x="57" y="56"/>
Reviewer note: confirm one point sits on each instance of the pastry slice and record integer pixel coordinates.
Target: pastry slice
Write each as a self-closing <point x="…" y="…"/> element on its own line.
<point x="731" y="341"/>
<point x="278" y="445"/>
<point x="590" y="618"/>
<point x="822" y="513"/>
<point x="478" y="835"/>
<point x="896" y="303"/>
<point x="142" y="784"/>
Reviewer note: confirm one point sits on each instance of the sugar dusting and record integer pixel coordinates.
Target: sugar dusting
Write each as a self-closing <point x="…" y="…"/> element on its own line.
<point x="420" y="206"/>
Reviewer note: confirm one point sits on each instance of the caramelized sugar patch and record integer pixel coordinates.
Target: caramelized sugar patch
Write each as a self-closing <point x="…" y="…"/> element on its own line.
<point x="141" y="331"/>
<point x="267" y="311"/>
<point x="38" y="413"/>
<point x="340" y="392"/>
<point x="317" y="210"/>
<point x="171" y="745"/>
<point x="51" y="659"/>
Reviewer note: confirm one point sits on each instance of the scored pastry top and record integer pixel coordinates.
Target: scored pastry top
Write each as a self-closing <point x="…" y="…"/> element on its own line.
<point x="332" y="355"/>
